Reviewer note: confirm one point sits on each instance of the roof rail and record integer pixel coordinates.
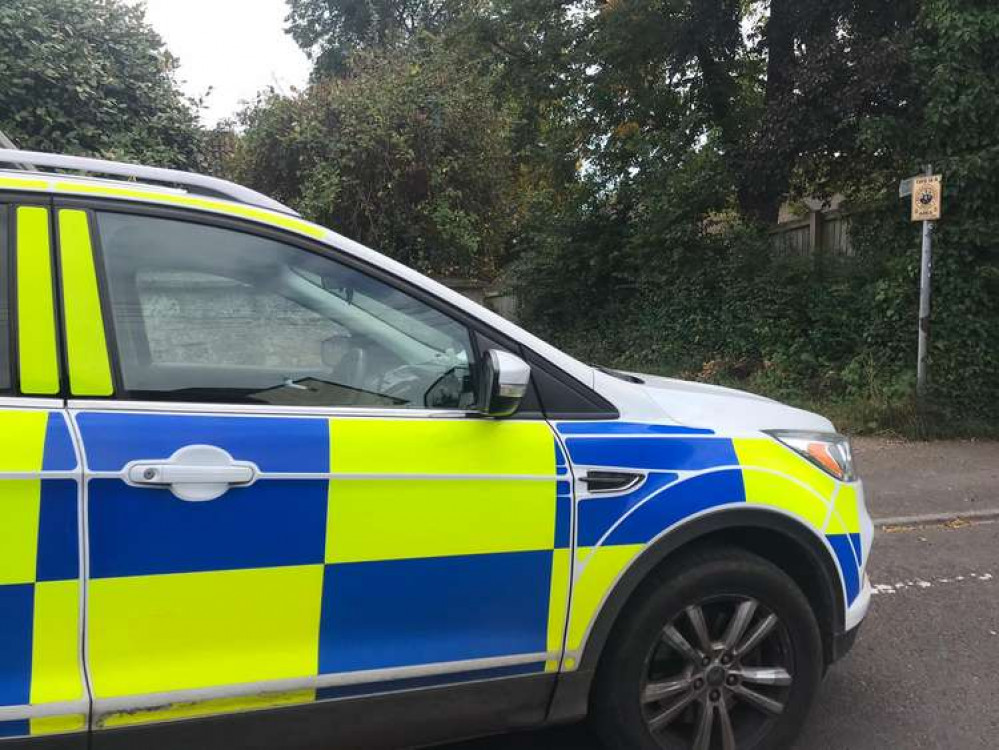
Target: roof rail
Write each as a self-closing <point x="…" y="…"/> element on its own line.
<point x="195" y="183"/>
<point x="6" y="142"/>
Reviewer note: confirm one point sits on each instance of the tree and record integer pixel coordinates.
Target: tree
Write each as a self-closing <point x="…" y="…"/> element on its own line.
<point x="410" y="154"/>
<point x="331" y="30"/>
<point x="778" y="88"/>
<point x="91" y="77"/>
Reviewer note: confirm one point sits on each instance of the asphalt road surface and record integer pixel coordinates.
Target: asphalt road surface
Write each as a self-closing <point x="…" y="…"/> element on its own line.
<point x="925" y="670"/>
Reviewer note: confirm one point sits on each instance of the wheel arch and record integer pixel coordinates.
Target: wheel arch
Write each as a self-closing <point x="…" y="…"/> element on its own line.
<point x="788" y="543"/>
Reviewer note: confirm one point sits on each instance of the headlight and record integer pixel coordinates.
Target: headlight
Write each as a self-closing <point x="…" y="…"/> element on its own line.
<point x="828" y="451"/>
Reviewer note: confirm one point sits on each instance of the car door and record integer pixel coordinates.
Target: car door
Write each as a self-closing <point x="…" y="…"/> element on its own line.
<point x="42" y="690"/>
<point x="290" y="496"/>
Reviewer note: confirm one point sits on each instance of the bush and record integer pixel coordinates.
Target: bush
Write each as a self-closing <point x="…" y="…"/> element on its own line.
<point x="408" y="153"/>
<point x="91" y="77"/>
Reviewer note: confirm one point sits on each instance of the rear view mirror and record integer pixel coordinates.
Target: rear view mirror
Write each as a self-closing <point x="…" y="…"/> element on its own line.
<point x="504" y="383"/>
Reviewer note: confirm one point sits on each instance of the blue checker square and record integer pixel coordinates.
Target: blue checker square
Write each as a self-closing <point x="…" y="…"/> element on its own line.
<point x="396" y="613"/>
<point x="15" y="728"/>
<point x="677" y="502"/>
<point x="274" y="444"/>
<point x="137" y="531"/>
<point x="58" y="531"/>
<point x="847" y="563"/>
<point x="655" y="453"/>
<point x="597" y="515"/>
<point x="563" y="521"/>
<point x="59" y="454"/>
<point x="16" y="613"/>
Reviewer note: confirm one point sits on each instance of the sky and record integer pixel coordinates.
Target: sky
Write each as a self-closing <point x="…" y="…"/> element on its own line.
<point x="233" y="47"/>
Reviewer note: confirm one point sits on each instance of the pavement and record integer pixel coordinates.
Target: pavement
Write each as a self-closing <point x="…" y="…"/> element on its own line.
<point x="910" y="479"/>
<point x="925" y="670"/>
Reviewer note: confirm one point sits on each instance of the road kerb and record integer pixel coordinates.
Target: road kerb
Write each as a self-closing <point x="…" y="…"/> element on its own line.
<point x="930" y="519"/>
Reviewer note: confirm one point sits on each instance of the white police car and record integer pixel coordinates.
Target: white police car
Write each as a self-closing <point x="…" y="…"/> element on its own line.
<point x="262" y="487"/>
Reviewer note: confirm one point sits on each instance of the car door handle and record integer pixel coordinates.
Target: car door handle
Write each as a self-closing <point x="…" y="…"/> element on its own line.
<point x="161" y="474"/>
<point x="195" y="473"/>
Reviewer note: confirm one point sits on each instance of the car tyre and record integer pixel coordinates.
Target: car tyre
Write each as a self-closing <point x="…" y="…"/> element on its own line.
<point x="718" y="650"/>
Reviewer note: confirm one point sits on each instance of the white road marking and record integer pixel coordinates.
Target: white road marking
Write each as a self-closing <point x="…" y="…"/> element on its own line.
<point x="919" y="583"/>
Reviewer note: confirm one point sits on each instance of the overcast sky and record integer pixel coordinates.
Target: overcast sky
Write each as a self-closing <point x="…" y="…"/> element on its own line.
<point x="234" y="47"/>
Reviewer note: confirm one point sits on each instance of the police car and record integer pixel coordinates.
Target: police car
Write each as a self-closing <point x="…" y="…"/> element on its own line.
<point x="263" y="487"/>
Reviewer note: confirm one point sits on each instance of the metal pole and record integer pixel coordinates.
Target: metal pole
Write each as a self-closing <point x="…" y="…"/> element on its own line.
<point x="925" y="274"/>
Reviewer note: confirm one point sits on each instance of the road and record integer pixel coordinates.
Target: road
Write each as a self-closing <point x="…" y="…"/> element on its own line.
<point x="925" y="671"/>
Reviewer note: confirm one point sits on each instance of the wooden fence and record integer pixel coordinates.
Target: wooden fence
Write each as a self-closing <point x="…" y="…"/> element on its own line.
<point x="499" y="301"/>
<point x="819" y="232"/>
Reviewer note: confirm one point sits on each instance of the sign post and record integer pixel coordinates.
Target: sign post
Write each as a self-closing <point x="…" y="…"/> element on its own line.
<point x="926" y="193"/>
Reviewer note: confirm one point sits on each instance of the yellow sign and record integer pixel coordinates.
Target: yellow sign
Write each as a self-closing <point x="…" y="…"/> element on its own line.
<point x="926" y="194"/>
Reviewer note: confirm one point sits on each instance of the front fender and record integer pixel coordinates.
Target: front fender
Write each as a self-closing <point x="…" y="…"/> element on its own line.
<point x="735" y="524"/>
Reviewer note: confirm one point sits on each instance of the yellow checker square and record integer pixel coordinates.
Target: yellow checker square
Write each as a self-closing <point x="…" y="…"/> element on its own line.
<point x="22" y="440"/>
<point x="55" y="643"/>
<point x="20" y="506"/>
<point x="558" y="602"/>
<point x="597" y="570"/>
<point x="159" y="633"/>
<point x="440" y="446"/>
<point x="58" y="724"/>
<point x="765" y="453"/>
<point x="835" y="526"/>
<point x="390" y="519"/>
<point x="779" y="491"/>
<point x="847" y="510"/>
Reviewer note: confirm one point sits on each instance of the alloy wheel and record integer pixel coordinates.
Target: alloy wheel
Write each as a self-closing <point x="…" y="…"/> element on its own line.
<point x="718" y="677"/>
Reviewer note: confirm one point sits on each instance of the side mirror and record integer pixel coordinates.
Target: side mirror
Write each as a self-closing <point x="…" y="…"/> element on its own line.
<point x="504" y="383"/>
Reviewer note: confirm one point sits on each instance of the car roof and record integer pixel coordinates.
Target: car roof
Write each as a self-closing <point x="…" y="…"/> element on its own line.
<point x="143" y="192"/>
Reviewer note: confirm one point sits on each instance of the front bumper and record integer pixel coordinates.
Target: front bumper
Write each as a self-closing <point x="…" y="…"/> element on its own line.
<point x="843" y="642"/>
<point x="858" y="610"/>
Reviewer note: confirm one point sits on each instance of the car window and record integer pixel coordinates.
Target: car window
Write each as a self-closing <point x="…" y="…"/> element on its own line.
<point x="209" y="314"/>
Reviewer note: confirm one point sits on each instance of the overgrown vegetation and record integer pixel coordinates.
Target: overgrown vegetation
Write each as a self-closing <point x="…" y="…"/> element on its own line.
<point x="90" y="77"/>
<point x="663" y="265"/>
<point x="409" y="153"/>
<point x="618" y="163"/>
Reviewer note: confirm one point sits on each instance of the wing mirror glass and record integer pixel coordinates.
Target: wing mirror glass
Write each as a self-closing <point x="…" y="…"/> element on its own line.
<point x="504" y="381"/>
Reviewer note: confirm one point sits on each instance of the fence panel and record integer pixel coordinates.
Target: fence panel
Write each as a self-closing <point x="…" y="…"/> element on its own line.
<point x="819" y="232"/>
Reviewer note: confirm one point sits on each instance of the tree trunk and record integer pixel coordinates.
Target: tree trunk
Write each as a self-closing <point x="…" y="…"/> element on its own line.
<point x="765" y="174"/>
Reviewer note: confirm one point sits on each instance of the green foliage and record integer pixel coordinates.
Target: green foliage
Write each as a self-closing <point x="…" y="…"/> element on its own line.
<point x="90" y="77"/>
<point x="659" y="273"/>
<point x="409" y="154"/>
<point x="617" y="161"/>
<point x="779" y="87"/>
<point x="330" y="31"/>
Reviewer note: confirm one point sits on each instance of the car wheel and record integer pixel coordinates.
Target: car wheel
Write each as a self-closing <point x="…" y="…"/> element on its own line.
<point x="719" y="650"/>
